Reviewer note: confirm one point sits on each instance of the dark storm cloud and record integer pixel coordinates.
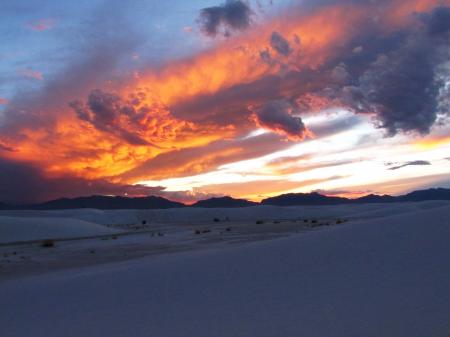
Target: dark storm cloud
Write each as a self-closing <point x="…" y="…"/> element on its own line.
<point x="438" y="21"/>
<point x="280" y="44"/>
<point x="410" y="163"/>
<point x="402" y="85"/>
<point x="401" y="88"/>
<point x="278" y="115"/>
<point x="233" y="15"/>
<point x="398" y="77"/>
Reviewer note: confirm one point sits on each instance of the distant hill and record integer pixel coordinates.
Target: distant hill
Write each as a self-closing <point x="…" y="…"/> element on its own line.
<point x="107" y="202"/>
<point x="224" y="202"/>
<point x="373" y="198"/>
<point x="430" y="194"/>
<point x="291" y="199"/>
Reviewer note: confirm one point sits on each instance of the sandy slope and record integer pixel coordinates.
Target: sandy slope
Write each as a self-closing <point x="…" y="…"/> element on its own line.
<point x="36" y="228"/>
<point x="384" y="277"/>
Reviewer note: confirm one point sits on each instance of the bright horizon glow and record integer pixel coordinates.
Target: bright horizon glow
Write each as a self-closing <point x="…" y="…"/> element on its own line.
<point x="349" y="168"/>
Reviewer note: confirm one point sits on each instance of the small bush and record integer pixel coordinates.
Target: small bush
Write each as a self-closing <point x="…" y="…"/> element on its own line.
<point x="48" y="243"/>
<point x="216" y="220"/>
<point x="259" y="222"/>
<point x="144" y="222"/>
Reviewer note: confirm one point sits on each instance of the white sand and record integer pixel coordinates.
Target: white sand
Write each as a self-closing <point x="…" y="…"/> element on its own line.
<point x="14" y="229"/>
<point x="383" y="276"/>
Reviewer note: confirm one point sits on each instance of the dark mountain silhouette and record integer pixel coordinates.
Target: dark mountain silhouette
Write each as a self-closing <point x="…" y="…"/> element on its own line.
<point x="314" y="198"/>
<point x="430" y="194"/>
<point x="224" y="202"/>
<point x="374" y="198"/>
<point x="291" y="199"/>
<point x="107" y="202"/>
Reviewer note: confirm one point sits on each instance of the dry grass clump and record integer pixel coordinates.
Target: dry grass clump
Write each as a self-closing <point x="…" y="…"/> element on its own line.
<point x="47" y="243"/>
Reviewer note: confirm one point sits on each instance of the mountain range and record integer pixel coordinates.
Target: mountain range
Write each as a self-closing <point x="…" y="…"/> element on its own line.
<point x="291" y="199"/>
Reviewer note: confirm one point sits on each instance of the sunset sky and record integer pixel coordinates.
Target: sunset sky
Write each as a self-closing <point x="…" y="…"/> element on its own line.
<point x="193" y="99"/>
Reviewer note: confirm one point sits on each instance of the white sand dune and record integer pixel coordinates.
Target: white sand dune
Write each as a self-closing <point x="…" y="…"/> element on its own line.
<point x="186" y="215"/>
<point x="383" y="277"/>
<point x="13" y="229"/>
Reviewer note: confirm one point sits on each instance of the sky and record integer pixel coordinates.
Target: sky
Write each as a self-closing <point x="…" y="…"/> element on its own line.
<point x="193" y="99"/>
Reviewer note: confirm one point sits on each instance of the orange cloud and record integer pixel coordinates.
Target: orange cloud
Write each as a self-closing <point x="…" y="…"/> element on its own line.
<point x="200" y="159"/>
<point x="238" y="60"/>
<point x="432" y="142"/>
<point x="118" y="134"/>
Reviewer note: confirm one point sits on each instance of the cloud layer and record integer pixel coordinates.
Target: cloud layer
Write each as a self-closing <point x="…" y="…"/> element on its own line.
<point x="98" y="124"/>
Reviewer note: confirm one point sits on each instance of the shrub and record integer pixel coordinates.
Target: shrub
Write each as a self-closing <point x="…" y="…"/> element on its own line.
<point x="259" y="222"/>
<point x="216" y="220"/>
<point x="47" y="243"/>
